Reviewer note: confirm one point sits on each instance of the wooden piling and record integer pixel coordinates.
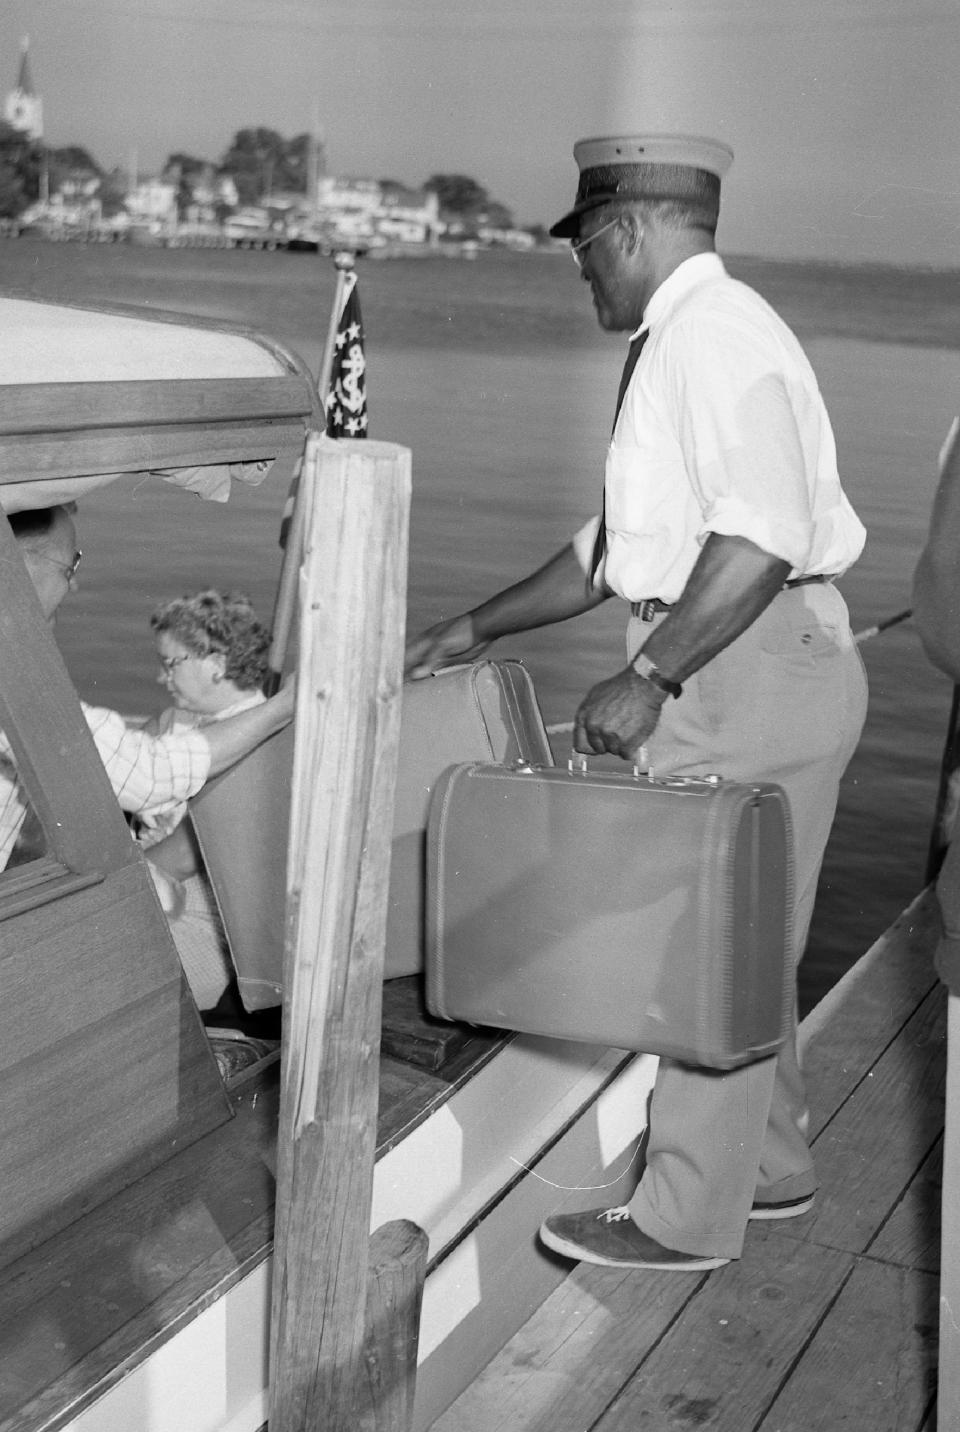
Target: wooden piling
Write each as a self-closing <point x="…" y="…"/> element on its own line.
<point x="395" y="1274"/>
<point x="353" y="595"/>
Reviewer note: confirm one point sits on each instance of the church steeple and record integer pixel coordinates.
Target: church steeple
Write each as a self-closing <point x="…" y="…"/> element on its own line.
<point x="23" y="108"/>
<point x="24" y="80"/>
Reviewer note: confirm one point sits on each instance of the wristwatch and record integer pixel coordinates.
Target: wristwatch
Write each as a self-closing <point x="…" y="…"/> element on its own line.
<point x="646" y="668"/>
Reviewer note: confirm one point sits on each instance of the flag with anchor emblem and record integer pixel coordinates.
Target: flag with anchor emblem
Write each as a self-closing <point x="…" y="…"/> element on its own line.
<point x="346" y="403"/>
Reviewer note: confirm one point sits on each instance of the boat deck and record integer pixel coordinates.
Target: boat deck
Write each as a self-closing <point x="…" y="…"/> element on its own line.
<point x="829" y="1320"/>
<point x="84" y="1308"/>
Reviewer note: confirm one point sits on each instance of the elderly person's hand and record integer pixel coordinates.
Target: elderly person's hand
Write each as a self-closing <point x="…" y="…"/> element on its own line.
<point x="445" y="644"/>
<point x="617" y="715"/>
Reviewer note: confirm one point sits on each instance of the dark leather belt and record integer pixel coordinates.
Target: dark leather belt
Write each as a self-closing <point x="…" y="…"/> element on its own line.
<point x="652" y="606"/>
<point x="649" y="609"/>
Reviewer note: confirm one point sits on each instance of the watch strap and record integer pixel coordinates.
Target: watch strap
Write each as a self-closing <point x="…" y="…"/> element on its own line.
<point x="648" y="670"/>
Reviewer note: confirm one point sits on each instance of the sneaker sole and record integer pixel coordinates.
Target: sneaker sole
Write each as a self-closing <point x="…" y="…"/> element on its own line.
<point x="768" y="1212"/>
<point x="583" y="1255"/>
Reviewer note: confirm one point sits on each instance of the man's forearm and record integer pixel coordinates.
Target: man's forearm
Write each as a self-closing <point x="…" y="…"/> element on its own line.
<point x="556" y="591"/>
<point x="731" y="584"/>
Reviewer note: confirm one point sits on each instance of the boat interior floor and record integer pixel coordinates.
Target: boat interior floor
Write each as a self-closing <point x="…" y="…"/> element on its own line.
<point x="85" y="1306"/>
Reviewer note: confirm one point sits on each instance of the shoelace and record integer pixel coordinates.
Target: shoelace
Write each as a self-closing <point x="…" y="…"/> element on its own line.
<point x="614" y="1215"/>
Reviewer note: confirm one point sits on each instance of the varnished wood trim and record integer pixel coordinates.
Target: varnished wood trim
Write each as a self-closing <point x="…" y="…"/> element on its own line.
<point x="38" y="883"/>
<point x="29" y="457"/>
<point x="79" y="407"/>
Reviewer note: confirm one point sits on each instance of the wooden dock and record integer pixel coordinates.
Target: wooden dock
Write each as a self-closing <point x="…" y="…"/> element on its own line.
<point x="828" y="1321"/>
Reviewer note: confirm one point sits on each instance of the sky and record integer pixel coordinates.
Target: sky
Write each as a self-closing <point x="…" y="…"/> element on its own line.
<point x="844" y="115"/>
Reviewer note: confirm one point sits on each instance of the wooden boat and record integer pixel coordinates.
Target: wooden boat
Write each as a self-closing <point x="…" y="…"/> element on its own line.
<point x="138" y="1188"/>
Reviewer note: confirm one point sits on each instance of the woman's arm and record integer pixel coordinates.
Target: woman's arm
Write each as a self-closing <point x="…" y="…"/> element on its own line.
<point x="236" y="736"/>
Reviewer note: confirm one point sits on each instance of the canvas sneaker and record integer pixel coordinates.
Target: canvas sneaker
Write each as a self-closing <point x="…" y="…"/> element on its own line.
<point x="610" y="1237"/>
<point x="783" y="1208"/>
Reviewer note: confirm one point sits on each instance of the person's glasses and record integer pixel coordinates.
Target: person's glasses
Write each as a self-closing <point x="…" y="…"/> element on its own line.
<point x="169" y="664"/>
<point x="69" y="570"/>
<point x="577" y="249"/>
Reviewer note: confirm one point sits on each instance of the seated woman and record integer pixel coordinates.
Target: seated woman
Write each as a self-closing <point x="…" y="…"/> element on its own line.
<point x="151" y="773"/>
<point x="213" y="658"/>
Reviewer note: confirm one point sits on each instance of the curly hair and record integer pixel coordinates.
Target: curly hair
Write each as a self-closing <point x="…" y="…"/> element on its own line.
<point x="224" y="622"/>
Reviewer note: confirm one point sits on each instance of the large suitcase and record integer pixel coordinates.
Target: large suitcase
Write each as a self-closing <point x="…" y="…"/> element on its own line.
<point x="485" y="711"/>
<point x="652" y="915"/>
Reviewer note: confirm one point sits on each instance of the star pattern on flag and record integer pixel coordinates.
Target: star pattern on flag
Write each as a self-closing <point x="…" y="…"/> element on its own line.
<point x="346" y="399"/>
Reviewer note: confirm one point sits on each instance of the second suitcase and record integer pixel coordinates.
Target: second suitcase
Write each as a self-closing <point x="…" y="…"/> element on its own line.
<point x="646" y="914"/>
<point x="484" y="711"/>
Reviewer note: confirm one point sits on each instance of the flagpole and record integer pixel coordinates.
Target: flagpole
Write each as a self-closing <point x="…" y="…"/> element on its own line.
<point x="285" y="601"/>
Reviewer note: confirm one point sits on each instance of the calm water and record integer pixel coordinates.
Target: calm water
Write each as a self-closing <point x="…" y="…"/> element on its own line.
<point x="496" y="377"/>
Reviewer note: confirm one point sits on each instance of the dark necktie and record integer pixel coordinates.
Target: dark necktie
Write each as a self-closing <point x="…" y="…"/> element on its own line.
<point x="600" y="542"/>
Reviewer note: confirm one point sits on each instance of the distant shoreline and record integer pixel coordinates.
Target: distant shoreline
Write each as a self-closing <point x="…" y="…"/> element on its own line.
<point x="883" y="303"/>
<point x="867" y="302"/>
<point x="875" y="266"/>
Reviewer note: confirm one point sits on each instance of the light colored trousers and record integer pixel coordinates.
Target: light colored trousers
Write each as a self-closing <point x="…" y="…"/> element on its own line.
<point x="786" y="703"/>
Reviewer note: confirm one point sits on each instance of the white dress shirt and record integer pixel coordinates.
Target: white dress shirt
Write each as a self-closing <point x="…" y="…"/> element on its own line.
<point x="722" y="429"/>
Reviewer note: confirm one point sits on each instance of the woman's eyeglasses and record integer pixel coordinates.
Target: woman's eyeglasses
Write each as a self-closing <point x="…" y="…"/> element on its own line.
<point x="169" y="664"/>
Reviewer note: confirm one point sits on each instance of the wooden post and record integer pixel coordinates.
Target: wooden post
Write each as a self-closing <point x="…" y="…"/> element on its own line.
<point x="396" y="1269"/>
<point x="350" y="669"/>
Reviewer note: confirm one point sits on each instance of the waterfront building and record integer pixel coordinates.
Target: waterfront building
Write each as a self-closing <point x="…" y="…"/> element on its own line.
<point x="410" y="216"/>
<point x="153" y="200"/>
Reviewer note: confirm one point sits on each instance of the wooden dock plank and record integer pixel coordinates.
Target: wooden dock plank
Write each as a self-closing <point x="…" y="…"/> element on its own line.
<point x="856" y="1021"/>
<point x="724" y="1359"/>
<point x="911" y="1235"/>
<point x="574" y="1354"/>
<point x="873" y="1361"/>
<point x="868" y="1153"/>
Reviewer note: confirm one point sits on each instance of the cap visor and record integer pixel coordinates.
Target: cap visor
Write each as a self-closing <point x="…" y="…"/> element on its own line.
<point x="569" y="226"/>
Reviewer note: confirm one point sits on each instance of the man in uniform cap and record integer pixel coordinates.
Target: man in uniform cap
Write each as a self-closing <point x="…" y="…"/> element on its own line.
<point x="723" y="525"/>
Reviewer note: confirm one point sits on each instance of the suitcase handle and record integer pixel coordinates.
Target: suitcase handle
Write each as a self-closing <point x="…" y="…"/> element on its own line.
<point x="579" y="764"/>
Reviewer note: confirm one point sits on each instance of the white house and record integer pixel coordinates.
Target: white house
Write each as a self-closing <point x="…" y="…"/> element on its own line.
<point x="153" y="200"/>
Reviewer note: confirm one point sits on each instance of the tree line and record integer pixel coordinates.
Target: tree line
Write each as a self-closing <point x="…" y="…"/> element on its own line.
<point x="258" y="160"/>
